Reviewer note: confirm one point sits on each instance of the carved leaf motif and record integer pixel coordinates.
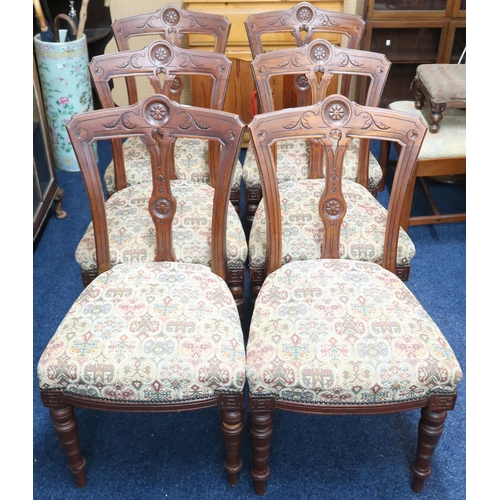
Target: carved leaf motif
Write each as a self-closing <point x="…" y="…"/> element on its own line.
<point x="326" y="20"/>
<point x="112" y="124"/>
<point x="134" y="61"/>
<point x="195" y="22"/>
<point x="302" y="121"/>
<point x="126" y="122"/>
<point x="346" y="61"/>
<point x="187" y="60"/>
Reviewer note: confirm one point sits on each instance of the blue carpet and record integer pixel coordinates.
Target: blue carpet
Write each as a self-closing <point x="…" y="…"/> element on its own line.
<point x="136" y="456"/>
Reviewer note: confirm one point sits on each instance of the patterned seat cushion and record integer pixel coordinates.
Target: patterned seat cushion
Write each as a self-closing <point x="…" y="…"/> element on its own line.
<point x="132" y="232"/>
<point x="154" y="332"/>
<point x="191" y="163"/>
<point x="293" y="164"/>
<point x="345" y="332"/>
<point x="362" y="233"/>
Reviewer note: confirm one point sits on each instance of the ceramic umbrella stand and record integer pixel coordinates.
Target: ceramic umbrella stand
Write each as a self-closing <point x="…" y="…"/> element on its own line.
<point x="66" y="89"/>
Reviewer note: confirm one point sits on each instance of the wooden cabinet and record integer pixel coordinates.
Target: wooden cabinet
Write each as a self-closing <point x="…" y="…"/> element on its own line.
<point x="409" y="33"/>
<point x="45" y="187"/>
<point x="241" y="86"/>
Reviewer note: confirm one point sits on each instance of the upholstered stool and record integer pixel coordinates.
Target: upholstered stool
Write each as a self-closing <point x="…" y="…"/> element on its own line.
<point x="443" y="85"/>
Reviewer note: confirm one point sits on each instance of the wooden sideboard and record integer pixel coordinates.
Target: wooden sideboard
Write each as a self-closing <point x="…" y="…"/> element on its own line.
<point x="241" y="86"/>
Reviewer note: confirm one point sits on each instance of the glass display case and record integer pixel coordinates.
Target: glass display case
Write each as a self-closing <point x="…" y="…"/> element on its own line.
<point x="410" y="33"/>
<point x="45" y="188"/>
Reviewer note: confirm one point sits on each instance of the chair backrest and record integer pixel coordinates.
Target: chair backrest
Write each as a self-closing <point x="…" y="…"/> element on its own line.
<point x="158" y="121"/>
<point x="333" y="123"/>
<point x="159" y="58"/>
<point x="304" y="22"/>
<point x="171" y="23"/>
<point x="316" y="63"/>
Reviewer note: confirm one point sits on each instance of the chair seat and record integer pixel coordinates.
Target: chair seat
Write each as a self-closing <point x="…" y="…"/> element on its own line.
<point x="293" y="164"/>
<point x="191" y="163"/>
<point x="444" y="83"/>
<point x="362" y="233"/>
<point x="132" y="232"/>
<point x="451" y="140"/>
<point x="133" y="335"/>
<point x="345" y="332"/>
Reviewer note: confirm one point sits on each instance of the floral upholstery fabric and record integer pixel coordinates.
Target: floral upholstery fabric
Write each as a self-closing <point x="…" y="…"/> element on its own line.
<point x="154" y="332"/>
<point x="132" y="232"/>
<point x="362" y="233"/>
<point x="293" y="164"/>
<point x="345" y="332"/>
<point x="191" y="163"/>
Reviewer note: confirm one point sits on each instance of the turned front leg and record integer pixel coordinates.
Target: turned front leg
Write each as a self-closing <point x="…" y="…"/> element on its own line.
<point x="231" y="407"/>
<point x="261" y="430"/>
<point x="65" y="423"/>
<point x="430" y="428"/>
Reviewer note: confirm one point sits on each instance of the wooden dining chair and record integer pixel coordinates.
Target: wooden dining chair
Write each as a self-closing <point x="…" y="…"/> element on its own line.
<point x="336" y="336"/>
<point x="172" y="23"/>
<point x="192" y="173"/>
<point x="300" y="163"/>
<point x="156" y="336"/>
<point x="304" y="23"/>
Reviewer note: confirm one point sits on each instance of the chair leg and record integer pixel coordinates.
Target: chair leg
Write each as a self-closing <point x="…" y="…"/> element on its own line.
<point x="231" y="407"/>
<point x="66" y="426"/>
<point x="261" y="430"/>
<point x="430" y="428"/>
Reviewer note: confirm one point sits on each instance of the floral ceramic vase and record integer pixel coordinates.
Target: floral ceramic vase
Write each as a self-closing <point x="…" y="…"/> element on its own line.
<point x="66" y="89"/>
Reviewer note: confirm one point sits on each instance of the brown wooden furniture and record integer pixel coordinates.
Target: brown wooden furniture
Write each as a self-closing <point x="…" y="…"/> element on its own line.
<point x="332" y="336"/>
<point x="442" y="85"/>
<point x="443" y="155"/>
<point x="172" y="23"/>
<point x="411" y="33"/>
<point x="280" y="72"/>
<point x="241" y="88"/>
<point x="46" y="189"/>
<point x="132" y="340"/>
<point x="318" y="62"/>
<point x="158" y="59"/>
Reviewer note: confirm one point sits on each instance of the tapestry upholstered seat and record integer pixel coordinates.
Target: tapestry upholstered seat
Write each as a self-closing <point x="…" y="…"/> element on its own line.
<point x="336" y="336"/>
<point x="158" y="335"/>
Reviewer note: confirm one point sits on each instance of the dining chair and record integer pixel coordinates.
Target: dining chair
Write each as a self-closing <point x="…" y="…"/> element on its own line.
<point x="157" y="336"/>
<point x="193" y="176"/>
<point x="172" y="24"/>
<point x="336" y="336"/>
<point x="300" y="164"/>
<point x="305" y="23"/>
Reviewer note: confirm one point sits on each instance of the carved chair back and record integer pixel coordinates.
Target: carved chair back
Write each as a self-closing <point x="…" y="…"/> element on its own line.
<point x="171" y="23"/>
<point x="304" y="22"/>
<point x="158" y="121"/>
<point x="333" y="123"/>
<point x="159" y="60"/>
<point x="316" y="63"/>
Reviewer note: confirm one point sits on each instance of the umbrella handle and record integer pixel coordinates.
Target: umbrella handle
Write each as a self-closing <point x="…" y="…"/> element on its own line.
<point x="68" y="20"/>
<point x="39" y="15"/>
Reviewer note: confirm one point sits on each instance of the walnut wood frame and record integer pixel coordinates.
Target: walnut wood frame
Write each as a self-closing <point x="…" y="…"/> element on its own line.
<point x="333" y="123"/>
<point x="316" y="63"/>
<point x="161" y="57"/>
<point x="158" y="121"/>
<point x="304" y="21"/>
<point x="171" y="23"/>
